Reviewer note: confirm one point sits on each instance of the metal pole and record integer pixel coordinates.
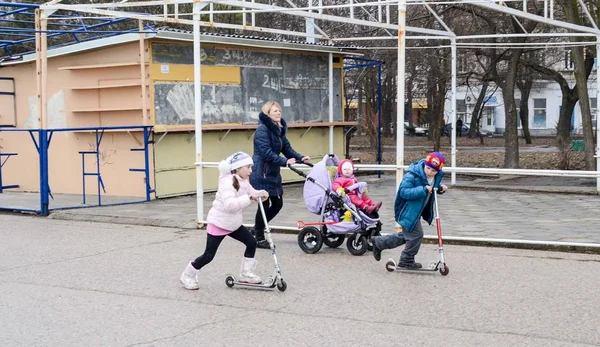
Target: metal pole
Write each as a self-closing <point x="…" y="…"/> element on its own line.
<point x="379" y="125"/>
<point x="44" y="69"/>
<point x="453" y="116"/>
<point x="597" y="116"/>
<point x="400" y="89"/>
<point x="143" y="72"/>
<point x="331" y="102"/>
<point x="147" y="162"/>
<point x="43" y="155"/>
<point x="98" y="167"/>
<point x="198" y="113"/>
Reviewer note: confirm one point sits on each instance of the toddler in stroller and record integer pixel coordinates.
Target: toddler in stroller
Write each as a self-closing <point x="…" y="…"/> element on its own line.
<point x="346" y="183"/>
<point x="339" y="217"/>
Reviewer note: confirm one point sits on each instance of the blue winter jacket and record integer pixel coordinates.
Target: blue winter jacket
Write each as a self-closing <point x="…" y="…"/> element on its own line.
<point x="411" y="199"/>
<point x="269" y="142"/>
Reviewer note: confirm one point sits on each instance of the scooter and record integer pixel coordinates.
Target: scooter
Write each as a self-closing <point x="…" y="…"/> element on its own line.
<point x="275" y="280"/>
<point x="440" y="265"/>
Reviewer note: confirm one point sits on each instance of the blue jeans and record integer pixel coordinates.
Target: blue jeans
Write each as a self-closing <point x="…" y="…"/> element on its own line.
<point x="412" y="240"/>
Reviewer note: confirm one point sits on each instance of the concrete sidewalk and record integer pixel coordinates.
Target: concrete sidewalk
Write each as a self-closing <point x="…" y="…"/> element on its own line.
<point x="492" y="211"/>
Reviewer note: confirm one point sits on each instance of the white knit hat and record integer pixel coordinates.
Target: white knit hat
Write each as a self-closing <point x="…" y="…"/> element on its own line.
<point x="235" y="161"/>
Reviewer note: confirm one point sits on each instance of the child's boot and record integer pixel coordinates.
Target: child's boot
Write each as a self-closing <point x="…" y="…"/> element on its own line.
<point x="189" y="277"/>
<point x="370" y="209"/>
<point x="246" y="274"/>
<point x="261" y="242"/>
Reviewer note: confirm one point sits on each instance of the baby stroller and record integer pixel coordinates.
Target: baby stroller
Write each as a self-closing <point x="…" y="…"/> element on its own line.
<point x="335" y="222"/>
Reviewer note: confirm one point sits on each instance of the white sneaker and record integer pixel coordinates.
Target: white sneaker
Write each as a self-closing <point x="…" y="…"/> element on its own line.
<point x="246" y="274"/>
<point x="189" y="277"/>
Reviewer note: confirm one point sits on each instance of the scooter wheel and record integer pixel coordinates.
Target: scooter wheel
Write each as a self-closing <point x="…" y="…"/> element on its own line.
<point x="282" y="286"/>
<point x="390" y="266"/>
<point x="444" y="270"/>
<point x="229" y="281"/>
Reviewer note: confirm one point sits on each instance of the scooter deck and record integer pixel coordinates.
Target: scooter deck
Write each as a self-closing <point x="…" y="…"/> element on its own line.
<point x="231" y="281"/>
<point x="391" y="266"/>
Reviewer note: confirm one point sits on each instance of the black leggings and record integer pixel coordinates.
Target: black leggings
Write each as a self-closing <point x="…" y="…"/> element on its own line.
<point x="272" y="207"/>
<point x="212" y="244"/>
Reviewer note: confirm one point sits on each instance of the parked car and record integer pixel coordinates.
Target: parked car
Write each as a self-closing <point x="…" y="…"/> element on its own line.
<point x="464" y="131"/>
<point x="415" y="131"/>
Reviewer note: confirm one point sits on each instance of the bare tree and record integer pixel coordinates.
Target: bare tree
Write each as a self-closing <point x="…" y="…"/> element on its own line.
<point x="577" y="53"/>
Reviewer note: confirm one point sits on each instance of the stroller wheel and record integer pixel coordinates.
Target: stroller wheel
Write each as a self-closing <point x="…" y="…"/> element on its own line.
<point x="333" y="240"/>
<point x="310" y="240"/>
<point x="357" y="246"/>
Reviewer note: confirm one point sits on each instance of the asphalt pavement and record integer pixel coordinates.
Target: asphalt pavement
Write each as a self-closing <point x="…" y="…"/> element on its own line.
<point x="71" y="283"/>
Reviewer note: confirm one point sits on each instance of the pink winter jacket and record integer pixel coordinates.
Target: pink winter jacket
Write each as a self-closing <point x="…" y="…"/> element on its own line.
<point x="226" y="212"/>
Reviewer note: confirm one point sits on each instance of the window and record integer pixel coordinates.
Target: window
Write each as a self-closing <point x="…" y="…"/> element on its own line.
<point x="8" y="111"/>
<point x="462" y="64"/>
<point x="594" y="111"/>
<point x="539" y="113"/>
<point x="461" y="110"/>
<point x="568" y="61"/>
<point x="518" y="103"/>
<point x="488" y="115"/>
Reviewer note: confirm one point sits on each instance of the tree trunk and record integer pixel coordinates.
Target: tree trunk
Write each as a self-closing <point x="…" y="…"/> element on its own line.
<point x="511" y="138"/>
<point x="436" y="98"/>
<point x="477" y="111"/>
<point x="563" y="131"/>
<point x="525" y="88"/>
<point x="359" y="112"/>
<point x="572" y="15"/>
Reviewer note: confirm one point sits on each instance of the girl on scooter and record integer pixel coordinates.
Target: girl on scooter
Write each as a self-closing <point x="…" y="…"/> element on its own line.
<point x="234" y="194"/>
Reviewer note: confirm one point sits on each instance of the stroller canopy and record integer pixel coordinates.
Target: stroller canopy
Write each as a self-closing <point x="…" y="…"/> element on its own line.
<point x="314" y="195"/>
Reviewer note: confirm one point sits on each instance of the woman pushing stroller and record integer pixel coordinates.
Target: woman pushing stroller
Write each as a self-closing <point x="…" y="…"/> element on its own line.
<point x="269" y="141"/>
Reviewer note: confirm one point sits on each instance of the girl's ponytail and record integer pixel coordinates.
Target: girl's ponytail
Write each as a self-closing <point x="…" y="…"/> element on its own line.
<point x="236" y="183"/>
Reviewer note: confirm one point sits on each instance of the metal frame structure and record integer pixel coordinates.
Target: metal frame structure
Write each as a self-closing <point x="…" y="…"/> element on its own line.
<point x="41" y="139"/>
<point x="378" y="16"/>
<point x="61" y="27"/>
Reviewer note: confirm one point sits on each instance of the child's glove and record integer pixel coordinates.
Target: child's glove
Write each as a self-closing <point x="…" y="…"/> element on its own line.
<point x="341" y="192"/>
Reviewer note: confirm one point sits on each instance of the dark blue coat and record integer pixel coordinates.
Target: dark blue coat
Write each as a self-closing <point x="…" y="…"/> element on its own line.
<point x="412" y="202"/>
<point x="269" y="142"/>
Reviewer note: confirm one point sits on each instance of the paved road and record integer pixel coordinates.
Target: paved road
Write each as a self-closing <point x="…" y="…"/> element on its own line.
<point x="93" y="284"/>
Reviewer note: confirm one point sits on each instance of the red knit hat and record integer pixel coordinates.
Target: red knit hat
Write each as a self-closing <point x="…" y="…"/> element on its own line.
<point x="345" y="162"/>
<point x="435" y="160"/>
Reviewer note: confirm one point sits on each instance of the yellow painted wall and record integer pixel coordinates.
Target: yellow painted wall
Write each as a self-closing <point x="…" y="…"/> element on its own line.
<point x="172" y="159"/>
<point x="175" y="155"/>
<point x="65" y="172"/>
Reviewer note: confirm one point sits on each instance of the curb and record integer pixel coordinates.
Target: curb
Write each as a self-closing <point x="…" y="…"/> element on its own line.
<point x="428" y="239"/>
<point x="151" y="222"/>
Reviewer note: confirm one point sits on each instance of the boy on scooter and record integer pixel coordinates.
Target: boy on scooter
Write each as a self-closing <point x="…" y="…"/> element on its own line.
<point x="414" y="200"/>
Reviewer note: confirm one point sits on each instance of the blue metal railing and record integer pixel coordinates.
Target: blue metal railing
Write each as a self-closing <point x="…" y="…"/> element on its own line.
<point x="42" y="143"/>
